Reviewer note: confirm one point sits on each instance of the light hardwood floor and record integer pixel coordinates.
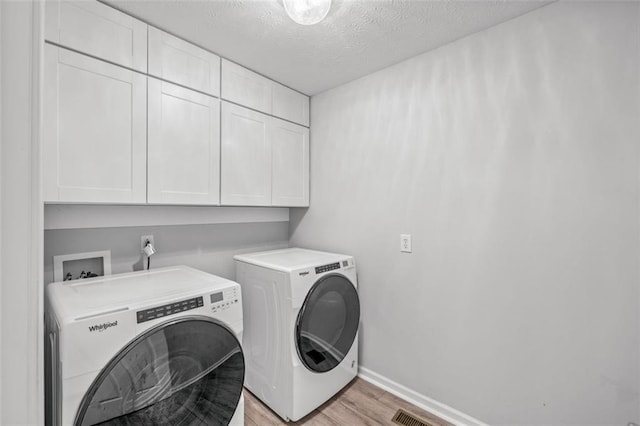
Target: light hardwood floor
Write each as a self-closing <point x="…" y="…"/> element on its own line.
<point x="359" y="403"/>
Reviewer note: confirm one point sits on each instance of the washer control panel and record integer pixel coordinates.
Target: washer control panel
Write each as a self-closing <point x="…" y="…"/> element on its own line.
<point x="327" y="268"/>
<point x="169" y="309"/>
<point x="223" y="300"/>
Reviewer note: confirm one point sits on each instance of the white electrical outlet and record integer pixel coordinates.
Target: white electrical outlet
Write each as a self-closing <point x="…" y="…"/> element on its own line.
<point x="405" y="243"/>
<point x="144" y="239"/>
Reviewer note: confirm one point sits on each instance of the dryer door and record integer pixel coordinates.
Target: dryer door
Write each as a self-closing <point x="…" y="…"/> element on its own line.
<point x="327" y="323"/>
<point x="187" y="371"/>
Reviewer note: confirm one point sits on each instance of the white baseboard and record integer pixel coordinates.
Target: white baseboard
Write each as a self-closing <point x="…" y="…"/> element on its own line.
<point x="434" y="407"/>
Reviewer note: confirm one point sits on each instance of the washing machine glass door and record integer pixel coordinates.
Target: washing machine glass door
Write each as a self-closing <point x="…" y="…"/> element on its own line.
<point x="187" y="371"/>
<point x="327" y="323"/>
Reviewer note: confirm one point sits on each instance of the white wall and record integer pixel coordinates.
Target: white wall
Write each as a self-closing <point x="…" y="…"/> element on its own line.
<point x="21" y="222"/>
<point x="511" y="156"/>
<point x="207" y="247"/>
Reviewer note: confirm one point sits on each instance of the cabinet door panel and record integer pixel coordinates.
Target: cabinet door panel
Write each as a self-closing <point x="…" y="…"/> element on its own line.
<point x="94" y="130"/>
<point x="290" y="105"/>
<point x="246" y="157"/>
<point x="178" y="61"/>
<point x="290" y="164"/>
<point x="98" y="30"/>
<point x="244" y="87"/>
<point x="184" y="145"/>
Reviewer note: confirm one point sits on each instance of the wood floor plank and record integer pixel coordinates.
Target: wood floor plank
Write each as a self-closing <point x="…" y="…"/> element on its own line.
<point x="258" y="412"/>
<point x="344" y="415"/>
<point x="360" y="403"/>
<point x="318" y="418"/>
<point x="249" y="422"/>
<point x="357" y="400"/>
<point x="368" y="389"/>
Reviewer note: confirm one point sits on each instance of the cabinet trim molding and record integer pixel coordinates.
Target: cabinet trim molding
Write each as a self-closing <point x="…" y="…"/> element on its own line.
<point x="77" y="216"/>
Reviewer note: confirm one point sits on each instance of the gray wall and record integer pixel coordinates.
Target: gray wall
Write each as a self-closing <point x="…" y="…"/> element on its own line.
<point x="206" y="247"/>
<point x="511" y="156"/>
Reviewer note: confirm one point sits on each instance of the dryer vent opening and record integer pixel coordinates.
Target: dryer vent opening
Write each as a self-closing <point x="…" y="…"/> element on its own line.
<point x="405" y="418"/>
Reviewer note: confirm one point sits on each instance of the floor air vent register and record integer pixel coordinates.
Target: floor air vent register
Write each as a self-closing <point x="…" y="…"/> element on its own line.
<point x="405" y="418"/>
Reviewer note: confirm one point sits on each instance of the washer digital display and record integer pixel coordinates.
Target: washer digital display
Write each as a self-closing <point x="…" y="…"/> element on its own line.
<point x="216" y="297"/>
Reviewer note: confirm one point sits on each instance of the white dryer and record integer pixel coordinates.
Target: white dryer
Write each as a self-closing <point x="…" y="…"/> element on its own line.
<point x="302" y="314"/>
<point x="150" y="347"/>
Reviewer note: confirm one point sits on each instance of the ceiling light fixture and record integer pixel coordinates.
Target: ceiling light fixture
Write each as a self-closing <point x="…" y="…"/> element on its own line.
<point x="307" y="12"/>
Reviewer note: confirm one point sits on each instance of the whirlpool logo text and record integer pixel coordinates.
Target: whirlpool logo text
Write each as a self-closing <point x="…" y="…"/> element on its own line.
<point x="102" y="327"/>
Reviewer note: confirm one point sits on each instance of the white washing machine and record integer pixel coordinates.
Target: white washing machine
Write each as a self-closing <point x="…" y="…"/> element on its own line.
<point x="301" y="313"/>
<point x="149" y="347"/>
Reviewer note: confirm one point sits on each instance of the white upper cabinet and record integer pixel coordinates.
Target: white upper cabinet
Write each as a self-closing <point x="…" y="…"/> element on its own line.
<point x="245" y="87"/>
<point x="133" y="115"/>
<point x="246" y="157"/>
<point x="264" y="160"/>
<point x="184" y="146"/>
<point x="94" y="147"/>
<point x="178" y="61"/>
<point x="290" y="105"/>
<point x="289" y="164"/>
<point x="98" y="30"/>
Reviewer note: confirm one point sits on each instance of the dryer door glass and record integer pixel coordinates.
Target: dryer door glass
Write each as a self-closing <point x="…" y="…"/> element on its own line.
<point x="187" y="371"/>
<point x="327" y="323"/>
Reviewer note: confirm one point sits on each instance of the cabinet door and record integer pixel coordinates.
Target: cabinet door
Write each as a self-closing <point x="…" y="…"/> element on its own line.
<point x="290" y="105"/>
<point x="246" y="157"/>
<point x="98" y="30"/>
<point x="184" y="145"/>
<point x="245" y="87"/>
<point x="94" y="130"/>
<point x="178" y="61"/>
<point x="289" y="164"/>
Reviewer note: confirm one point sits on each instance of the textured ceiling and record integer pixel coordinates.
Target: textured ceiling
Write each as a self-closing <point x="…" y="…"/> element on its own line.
<point x="357" y="37"/>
